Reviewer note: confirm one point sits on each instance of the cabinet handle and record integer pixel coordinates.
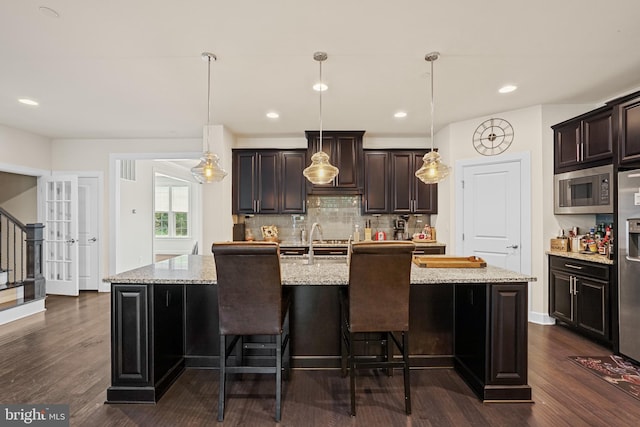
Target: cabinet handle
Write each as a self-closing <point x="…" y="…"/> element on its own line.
<point x="575" y="267"/>
<point x="582" y="151"/>
<point x="168" y="298"/>
<point x="577" y="152"/>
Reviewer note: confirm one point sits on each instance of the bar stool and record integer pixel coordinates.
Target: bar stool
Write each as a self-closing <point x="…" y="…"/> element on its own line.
<point x="377" y="301"/>
<point x="251" y="302"/>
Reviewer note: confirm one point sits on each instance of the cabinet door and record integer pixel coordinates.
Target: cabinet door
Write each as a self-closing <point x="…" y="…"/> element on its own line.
<point x="425" y="196"/>
<point x="293" y="188"/>
<point x="629" y="132"/>
<point x="402" y="182"/>
<point x="566" y="150"/>
<point x="244" y="192"/>
<point x="561" y="299"/>
<point x="267" y="184"/>
<point x="376" y="184"/>
<point x="168" y="328"/>
<point x="592" y="303"/>
<point x="347" y="152"/>
<point x="597" y="137"/>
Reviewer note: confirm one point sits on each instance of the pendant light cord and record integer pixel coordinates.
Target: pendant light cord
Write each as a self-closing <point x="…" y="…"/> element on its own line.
<point x="320" y="87"/>
<point x="208" y="100"/>
<point x="432" y="105"/>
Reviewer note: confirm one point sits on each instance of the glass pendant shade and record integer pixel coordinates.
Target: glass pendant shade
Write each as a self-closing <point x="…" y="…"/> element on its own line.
<point x="208" y="170"/>
<point x="320" y="171"/>
<point x="432" y="170"/>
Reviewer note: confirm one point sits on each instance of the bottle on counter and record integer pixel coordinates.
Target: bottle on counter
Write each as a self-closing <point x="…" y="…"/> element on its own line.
<point x="367" y="230"/>
<point x="356" y="233"/>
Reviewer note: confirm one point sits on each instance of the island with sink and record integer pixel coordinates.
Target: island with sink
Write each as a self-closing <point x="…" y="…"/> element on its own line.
<point x="164" y="319"/>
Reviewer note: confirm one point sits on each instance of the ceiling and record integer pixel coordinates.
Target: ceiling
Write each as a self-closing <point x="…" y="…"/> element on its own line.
<point x="133" y="69"/>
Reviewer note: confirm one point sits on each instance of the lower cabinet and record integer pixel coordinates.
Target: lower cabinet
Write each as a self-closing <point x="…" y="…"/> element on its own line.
<point x="430" y="250"/>
<point x="147" y="341"/>
<point x="579" y="296"/>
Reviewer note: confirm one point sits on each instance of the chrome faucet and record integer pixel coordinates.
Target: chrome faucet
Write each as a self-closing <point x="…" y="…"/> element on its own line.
<point x="313" y="228"/>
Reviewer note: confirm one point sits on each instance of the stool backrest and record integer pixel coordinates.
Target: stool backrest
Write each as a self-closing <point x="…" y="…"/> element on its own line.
<point x="249" y="287"/>
<point x="379" y="279"/>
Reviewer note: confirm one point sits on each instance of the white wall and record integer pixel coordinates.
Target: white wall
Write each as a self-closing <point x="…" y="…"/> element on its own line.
<point x="22" y="151"/>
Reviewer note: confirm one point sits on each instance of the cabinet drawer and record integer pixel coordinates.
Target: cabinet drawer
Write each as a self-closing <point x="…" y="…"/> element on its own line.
<point x="293" y="250"/>
<point x="578" y="267"/>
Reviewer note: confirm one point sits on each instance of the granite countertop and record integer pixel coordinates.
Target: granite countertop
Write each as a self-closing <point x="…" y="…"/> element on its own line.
<point x="344" y="244"/>
<point x="200" y="269"/>
<point x="600" y="259"/>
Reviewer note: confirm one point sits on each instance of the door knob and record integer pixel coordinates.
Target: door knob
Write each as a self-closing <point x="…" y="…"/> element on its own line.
<point x="71" y="241"/>
<point x="512" y="247"/>
<point x="93" y="239"/>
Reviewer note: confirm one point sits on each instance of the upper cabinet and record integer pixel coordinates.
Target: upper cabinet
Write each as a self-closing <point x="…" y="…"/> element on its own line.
<point x="409" y="194"/>
<point x="392" y="187"/>
<point x="268" y="182"/>
<point x="584" y="141"/>
<point x="345" y="152"/>
<point x="628" y="121"/>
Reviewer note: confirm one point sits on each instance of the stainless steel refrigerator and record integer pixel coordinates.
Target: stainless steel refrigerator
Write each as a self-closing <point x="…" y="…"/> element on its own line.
<point x="629" y="262"/>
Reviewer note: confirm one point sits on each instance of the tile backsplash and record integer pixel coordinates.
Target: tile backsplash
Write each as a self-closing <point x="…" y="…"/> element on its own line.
<point x="338" y="216"/>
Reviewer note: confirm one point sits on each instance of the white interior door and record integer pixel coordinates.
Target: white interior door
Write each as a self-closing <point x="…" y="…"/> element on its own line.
<point x="61" y="233"/>
<point x="88" y="242"/>
<point x="492" y="213"/>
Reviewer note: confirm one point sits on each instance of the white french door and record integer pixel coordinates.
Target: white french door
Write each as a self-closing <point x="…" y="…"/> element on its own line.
<point x="88" y="233"/>
<point x="60" y="195"/>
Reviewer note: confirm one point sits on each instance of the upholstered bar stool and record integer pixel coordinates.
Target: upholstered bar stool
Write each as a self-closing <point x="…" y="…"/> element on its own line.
<point x="251" y="302"/>
<point x="377" y="301"/>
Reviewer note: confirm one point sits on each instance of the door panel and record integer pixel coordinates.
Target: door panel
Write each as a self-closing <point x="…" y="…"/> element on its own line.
<point x="88" y="243"/>
<point x="492" y="217"/>
<point x="61" y="233"/>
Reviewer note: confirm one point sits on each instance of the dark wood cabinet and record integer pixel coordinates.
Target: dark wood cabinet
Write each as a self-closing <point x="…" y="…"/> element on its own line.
<point x="376" y="198"/>
<point x="584" y="141"/>
<point x="345" y="152"/>
<point x="579" y="296"/>
<point x="147" y="340"/>
<point x="408" y="193"/>
<point x="268" y="182"/>
<point x="628" y="122"/>
<point x="293" y="191"/>
<point x="429" y="250"/>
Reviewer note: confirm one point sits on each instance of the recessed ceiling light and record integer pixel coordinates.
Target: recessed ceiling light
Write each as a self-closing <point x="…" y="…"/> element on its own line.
<point x="47" y="11"/>
<point x="507" y="88"/>
<point x="400" y="114"/>
<point x="320" y="87"/>
<point x="273" y="115"/>
<point x="27" y="101"/>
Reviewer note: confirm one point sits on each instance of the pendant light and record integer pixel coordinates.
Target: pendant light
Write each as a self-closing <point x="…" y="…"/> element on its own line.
<point x="320" y="171"/>
<point x="208" y="170"/>
<point x="432" y="170"/>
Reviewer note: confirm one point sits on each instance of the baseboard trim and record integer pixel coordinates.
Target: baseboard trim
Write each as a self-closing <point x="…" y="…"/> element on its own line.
<point x="21" y="311"/>
<point x="541" y="318"/>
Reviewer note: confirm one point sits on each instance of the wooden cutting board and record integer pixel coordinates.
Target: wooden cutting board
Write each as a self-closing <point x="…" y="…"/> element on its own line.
<point x="439" y="261"/>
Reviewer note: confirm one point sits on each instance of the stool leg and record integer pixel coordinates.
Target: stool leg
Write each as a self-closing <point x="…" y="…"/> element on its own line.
<point x="344" y="346"/>
<point x="352" y="375"/>
<point x="223" y="377"/>
<point x="407" y="379"/>
<point x="389" y="355"/>
<point x="278" y="375"/>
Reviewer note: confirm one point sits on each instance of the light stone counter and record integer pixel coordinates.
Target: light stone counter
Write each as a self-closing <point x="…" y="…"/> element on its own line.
<point x="200" y="270"/>
<point x="600" y="259"/>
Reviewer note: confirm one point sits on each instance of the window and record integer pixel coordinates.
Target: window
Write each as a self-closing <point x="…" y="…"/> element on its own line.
<point x="172" y="200"/>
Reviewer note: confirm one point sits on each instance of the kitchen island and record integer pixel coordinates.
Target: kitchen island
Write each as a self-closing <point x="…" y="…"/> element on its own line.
<point x="164" y="319"/>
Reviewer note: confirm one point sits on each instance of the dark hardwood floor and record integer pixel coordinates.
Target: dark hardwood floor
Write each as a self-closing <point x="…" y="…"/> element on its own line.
<point x="62" y="356"/>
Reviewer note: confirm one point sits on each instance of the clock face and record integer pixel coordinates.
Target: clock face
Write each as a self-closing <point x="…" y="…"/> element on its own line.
<point x="492" y="137"/>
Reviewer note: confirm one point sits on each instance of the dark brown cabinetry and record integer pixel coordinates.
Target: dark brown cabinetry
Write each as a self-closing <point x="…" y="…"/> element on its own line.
<point x="377" y="197"/>
<point x="579" y="295"/>
<point x="345" y="152"/>
<point x="268" y="182"/>
<point x="584" y="141"/>
<point x="148" y="341"/>
<point x="408" y="193"/>
<point x="629" y="132"/>
<point x="392" y="187"/>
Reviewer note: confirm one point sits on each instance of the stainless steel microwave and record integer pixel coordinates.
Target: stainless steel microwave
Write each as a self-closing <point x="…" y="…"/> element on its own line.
<point x="584" y="191"/>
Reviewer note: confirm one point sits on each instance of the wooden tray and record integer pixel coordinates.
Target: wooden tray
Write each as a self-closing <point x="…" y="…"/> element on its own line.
<point x="424" y="240"/>
<point x="431" y="261"/>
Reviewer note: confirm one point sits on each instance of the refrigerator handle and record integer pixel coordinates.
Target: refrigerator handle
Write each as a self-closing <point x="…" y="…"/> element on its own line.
<point x="633" y="259"/>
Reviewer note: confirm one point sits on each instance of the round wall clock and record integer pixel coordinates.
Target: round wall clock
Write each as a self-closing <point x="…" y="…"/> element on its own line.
<point x="492" y="137"/>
